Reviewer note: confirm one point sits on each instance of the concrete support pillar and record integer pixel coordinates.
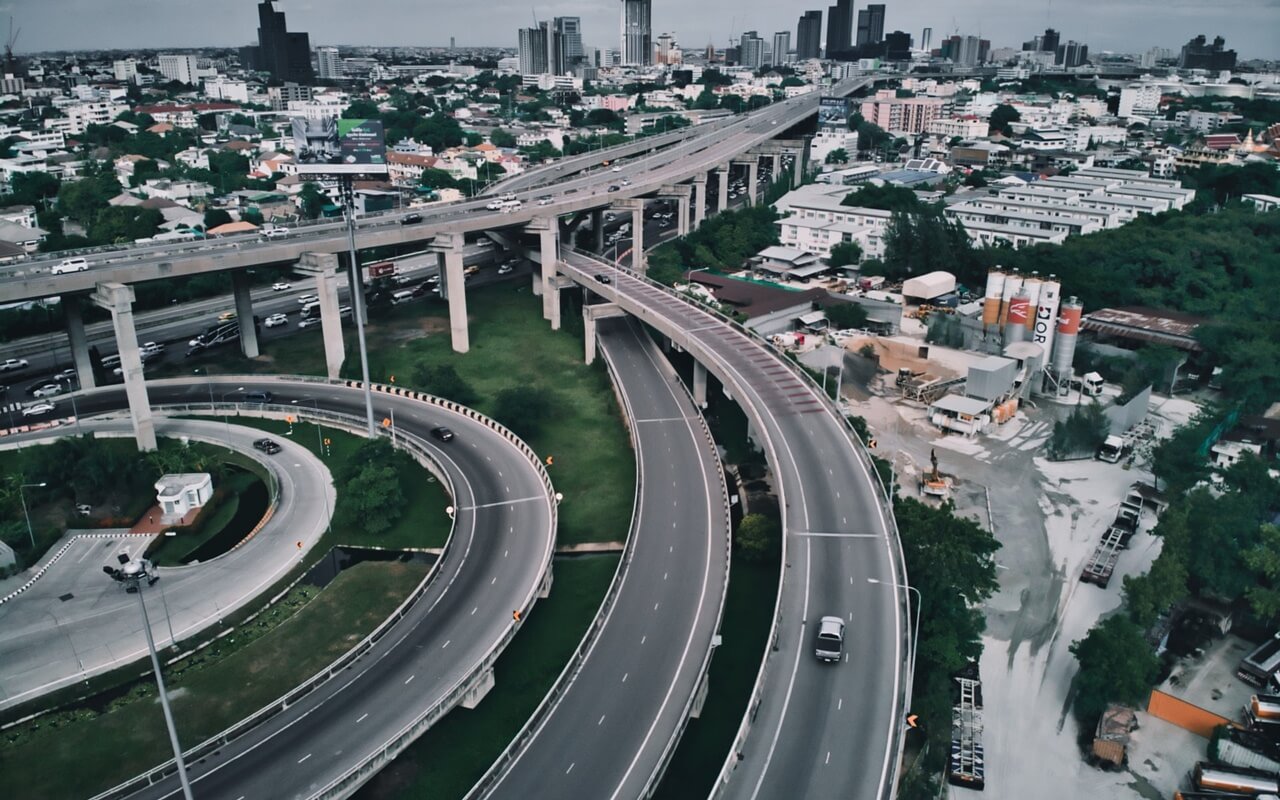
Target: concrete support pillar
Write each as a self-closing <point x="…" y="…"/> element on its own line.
<point x="551" y="301"/>
<point x="638" y="262"/>
<point x="682" y="215"/>
<point x="118" y="299"/>
<point x="597" y="227"/>
<point x="536" y="283"/>
<point x="453" y="287"/>
<point x="776" y="172"/>
<point x="797" y="176"/>
<point x="699" y="201"/>
<point x="73" y="310"/>
<point x="753" y="181"/>
<point x="549" y="250"/>
<point x="723" y="174"/>
<point x="244" y="313"/>
<point x="325" y="267"/>
<point x="589" y="334"/>
<point x="699" y="384"/>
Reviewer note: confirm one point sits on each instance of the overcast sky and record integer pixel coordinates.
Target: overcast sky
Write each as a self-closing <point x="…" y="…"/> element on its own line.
<point x="1252" y="27"/>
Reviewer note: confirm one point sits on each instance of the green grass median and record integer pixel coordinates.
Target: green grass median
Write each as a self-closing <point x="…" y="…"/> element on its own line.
<point x="76" y="755"/>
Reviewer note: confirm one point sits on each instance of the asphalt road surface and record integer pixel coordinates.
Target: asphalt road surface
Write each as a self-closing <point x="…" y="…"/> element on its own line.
<point x="606" y="735"/>
<point x="502" y="536"/>
<point x="822" y="730"/>
<point x="96" y="627"/>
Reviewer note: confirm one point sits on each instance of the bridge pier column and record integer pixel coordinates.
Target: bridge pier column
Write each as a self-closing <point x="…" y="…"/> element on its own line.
<point x="118" y="299"/>
<point x="637" y="237"/>
<point x="453" y="287"/>
<point x="700" y="697"/>
<point x="73" y="310"/>
<point x="589" y="334"/>
<point x="548" y="245"/>
<point x="797" y="176"/>
<point x="699" y="384"/>
<point x="753" y="180"/>
<point x="699" y="200"/>
<point x="478" y="689"/>
<point x="775" y="173"/>
<point x="244" y="313"/>
<point x="325" y="267"/>
<point x="722" y="173"/>
<point x="597" y="227"/>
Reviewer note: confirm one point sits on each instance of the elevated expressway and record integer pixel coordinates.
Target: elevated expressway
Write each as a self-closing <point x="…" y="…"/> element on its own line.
<point x="96" y="626"/>
<point x="337" y="730"/>
<point x="816" y="729"/>
<point x="612" y="723"/>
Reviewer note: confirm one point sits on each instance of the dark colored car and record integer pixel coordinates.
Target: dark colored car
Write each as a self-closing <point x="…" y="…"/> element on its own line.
<point x="602" y="278"/>
<point x="442" y="433"/>
<point x="258" y="397"/>
<point x="409" y="219"/>
<point x="614" y="187"/>
<point x="267" y="446"/>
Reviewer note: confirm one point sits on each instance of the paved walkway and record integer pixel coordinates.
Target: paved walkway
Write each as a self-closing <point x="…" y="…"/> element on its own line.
<point x="154" y="521"/>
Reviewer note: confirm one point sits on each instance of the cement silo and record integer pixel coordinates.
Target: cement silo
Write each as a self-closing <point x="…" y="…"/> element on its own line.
<point x="1032" y="287"/>
<point x="1064" y="350"/>
<point x="1012" y="283"/>
<point x="991" y="302"/>
<point x="1015" y="328"/>
<point x="1047" y="317"/>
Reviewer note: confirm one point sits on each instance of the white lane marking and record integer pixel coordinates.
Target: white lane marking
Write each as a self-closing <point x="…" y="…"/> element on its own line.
<point x="655" y="606"/>
<point x="363" y="717"/>
<point x="411" y="677"/>
<point x="822" y="535"/>
<point x="304" y="758"/>
<point x="570" y="769"/>
<point x="624" y="676"/>
<point x="474" y="610"/>
<point x="495" y="580"/>
<point x="446" y="644"/>
<point x="840" y="704"/>
<point x="643" y="638"/>
<point x="601" y="722"/>
<point x="828" y="761"/>
<point x="506" y="502"/>
<point x="791" y="682"/>
<point x="664" y="576"/>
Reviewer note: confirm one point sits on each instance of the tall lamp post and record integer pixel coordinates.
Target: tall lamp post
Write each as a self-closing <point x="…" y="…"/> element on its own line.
<point x="225" y="421"/>
<point x="316" y="404"/>
<point x="347" y="187"/>
<point x="915" y="636"/>
<point x="133" y="574"/>
<point x="26" y="513"/>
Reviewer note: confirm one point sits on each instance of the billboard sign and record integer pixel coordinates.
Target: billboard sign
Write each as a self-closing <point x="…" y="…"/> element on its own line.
<point x="333" y="146"/>
<point x="833" y="112"/>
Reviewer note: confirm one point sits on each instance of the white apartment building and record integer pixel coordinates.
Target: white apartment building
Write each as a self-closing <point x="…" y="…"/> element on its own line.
<point x="221" y="88"/>
<point x="827" y="141"/>
<point x="815" y="221"/>
<point x="329" y="65"/>
<point x="966" y="127"/>
<point x="125" y="70"/>
<point x="1139" y="100"/>
<point x="321" y="106"/>
<point x="182" y="68"/>
<point x="80" y="116"/>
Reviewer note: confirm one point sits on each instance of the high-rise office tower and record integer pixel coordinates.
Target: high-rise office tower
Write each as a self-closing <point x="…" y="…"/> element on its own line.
<point x="1049" y="42"/>
<point x="871" y="25"/>
<point x="897" y="46"/>
<point x="328" y="65"/>
<point x="839" y="28"/>
<point x="781" y="46"/>
<point x="533" y="50"/>
<point x="569" y="40"/>
<point x="751" y="50"/>
<point x="926" y="39"/>
<point x="1072" y="54"/>
<point x="809" y="36"/>
<point x="287" y="56"/>
<point x="637" y="33"/>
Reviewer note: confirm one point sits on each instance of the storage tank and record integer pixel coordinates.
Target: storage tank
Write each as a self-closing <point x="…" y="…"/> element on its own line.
<point x="1015" y="328"/>
<point x="1012" y="283"/>
<point x="991" y="303"/>
<point x="1064" y="350"/>
<point x="1032" y="287"/>
<point x="1046" y="314"/>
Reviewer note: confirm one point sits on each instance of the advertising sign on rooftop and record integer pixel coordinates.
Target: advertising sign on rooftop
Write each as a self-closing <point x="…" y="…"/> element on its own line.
<point x="833" y="112"/>
<point x="333" y="146"/>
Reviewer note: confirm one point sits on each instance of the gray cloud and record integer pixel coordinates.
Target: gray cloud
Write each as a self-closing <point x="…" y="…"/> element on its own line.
<point x="1249" y="26"/>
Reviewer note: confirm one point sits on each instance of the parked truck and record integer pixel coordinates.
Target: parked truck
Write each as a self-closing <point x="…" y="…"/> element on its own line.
<point x="1249" y="782"/>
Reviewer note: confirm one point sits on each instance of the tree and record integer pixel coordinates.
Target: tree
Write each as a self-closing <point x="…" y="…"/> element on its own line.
<point x="845" y="253"/>
<point x="1002" y="117"/>
<point x="524" y="410"/>
<point x="33" y="188"/>
<point x="706" y="101"/>
<point x="732" y="102"/>
<point x="603" y="117"/>
<point x="372" y="499"/>
<point x="838" y="156"/>
<point x="846" y="316"/>
<point x="118" y="224"/>
<point x="758" y="537"/>
<point x="1263" y="559"/>
<point x="311" y="201"/>
<point x="1083" y="431"/>
<point x="215" y="217"/>
<point x="361" y="109"/>
<point x="885" y="198"/>
<point x="1116" y="665"/>
<point x="443" y="380"/>
<point x="81" y="200"/>
<point x="439" y="132"/>
<point x="502" y="138"/>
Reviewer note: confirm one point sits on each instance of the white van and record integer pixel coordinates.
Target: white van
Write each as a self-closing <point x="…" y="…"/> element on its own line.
<point x="71" y="265"/>
<point x="401" y="297"/>
<point x="830" y="639"/>
<point x="276" y="233"/>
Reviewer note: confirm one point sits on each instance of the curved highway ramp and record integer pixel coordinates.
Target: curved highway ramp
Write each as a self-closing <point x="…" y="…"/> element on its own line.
<point x="613" y="722"/>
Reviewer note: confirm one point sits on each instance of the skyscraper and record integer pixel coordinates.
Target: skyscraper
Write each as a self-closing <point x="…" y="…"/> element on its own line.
<point x="897" y="46"/>
<point x="751" y="50"/>
<point x="809" y="36"/>
<point x="926" y="39"/>
<point x="871" y="25"/>
<point x="533" y="50"/>
<point x="1049" y="42"/>
<point x="1072" y="54"/>
<point x="637" y="33"/>
<point x="781" y="46"/>
<point x="1214" y="57"/>
<point x="287" y="56"/>
<point x="569" y="40"/>
<point x="328" y="65"/>
<point x="839" y="28"/>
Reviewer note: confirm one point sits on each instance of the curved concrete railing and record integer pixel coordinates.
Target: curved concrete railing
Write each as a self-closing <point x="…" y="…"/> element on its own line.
<point x="359" y="773"/>
<point x="858" y="447"/>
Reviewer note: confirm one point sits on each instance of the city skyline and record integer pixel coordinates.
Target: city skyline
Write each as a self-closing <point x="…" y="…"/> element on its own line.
<point x="1124" y="25"/>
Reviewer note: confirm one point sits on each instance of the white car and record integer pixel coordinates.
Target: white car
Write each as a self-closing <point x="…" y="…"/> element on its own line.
<point x="280" y="286"/>
<point x="494" y="205"/>
<point x="276" y="320"/>
<point x="616" y="169"/>
<point x="66" y="375"/>
<point x="308" y="322"/>
<point x="544" y="201"/>
<point x="47" y="391"/>
<point x="152" y="347"/>
<point x="275" y="233"/>
<point x="505" y="269"/>
<point x="308" y="298"/>
<point x="38" y="408"/>
<point x="70" y="265"/>
<point x="12" y="364"/>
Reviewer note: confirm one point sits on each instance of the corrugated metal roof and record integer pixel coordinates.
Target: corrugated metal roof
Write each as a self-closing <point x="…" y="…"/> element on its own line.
<point x="1146" y="324"/>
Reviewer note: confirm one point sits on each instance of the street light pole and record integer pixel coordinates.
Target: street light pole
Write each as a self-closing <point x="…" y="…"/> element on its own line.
<point x="915" y="636"/>
<point x="133" y="575"/>
<point x="357" y="294"/>
<point x="26" y="513"/>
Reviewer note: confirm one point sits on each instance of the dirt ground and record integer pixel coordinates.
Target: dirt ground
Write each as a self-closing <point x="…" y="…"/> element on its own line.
<point x="1048" y="518"/>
